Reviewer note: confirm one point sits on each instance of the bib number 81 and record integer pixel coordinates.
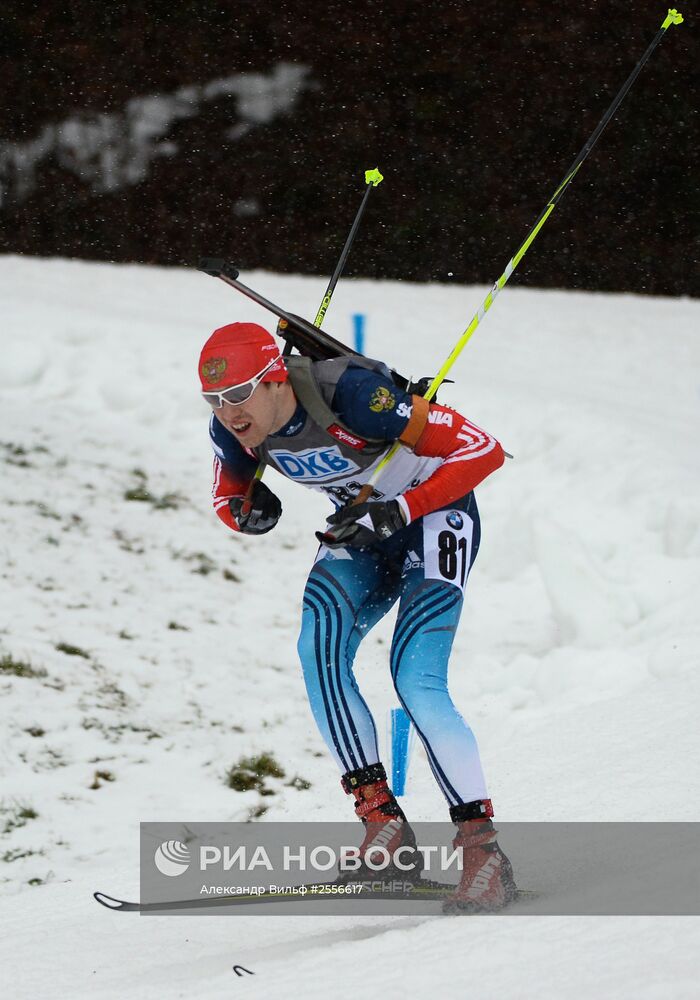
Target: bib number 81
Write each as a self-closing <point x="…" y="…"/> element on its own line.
<point x="452" y="557"/>
<point x="447" y="544"/>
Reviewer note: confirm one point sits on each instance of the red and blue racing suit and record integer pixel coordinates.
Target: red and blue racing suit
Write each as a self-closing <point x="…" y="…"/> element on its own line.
<point x="424" y="566"/>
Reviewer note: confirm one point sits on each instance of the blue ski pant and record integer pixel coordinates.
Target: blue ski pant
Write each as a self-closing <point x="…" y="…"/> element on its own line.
<point x="424" y="567"/>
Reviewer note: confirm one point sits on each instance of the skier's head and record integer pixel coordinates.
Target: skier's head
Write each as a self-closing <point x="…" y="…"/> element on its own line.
<point x="237" y="354"/>
<point x="235" y="360"/>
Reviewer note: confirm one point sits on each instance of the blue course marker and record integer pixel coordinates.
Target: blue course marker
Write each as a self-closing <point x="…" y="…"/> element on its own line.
<point x="401" y="736"/>
<point x="358" y="322"/>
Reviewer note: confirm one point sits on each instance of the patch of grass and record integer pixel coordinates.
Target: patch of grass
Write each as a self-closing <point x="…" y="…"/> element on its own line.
<point x="99" y="777"/>
<point x="55" y="685"/>
<point x="15" y="454"/>
<point x="16" y="450"/>
<point x="230" y="575"/>
<point x="301" y="784"/>
<point x="204" y="566"/>
<point x="242" y="781"/>
<point x="17" y="855"/>
<point x="46" y="760"/>
<point x="14" y="815"/>
<point x="264" y="764"/>
<point x="250" y="773"/>
<point x="110" y="695"/>
<point x="128" y="544"/>
<point x="74" y="521"/>
<point x="19" y="668"/>
<point x="35" y="731"/>
<point x="70" y="650"/>
<point x="123" y="634"/>
<point x="44" y="510"/>
<point x="256" y="812"/>
<point x="176" y="627"/>
<point x="114" y="734"/>
<point x="169" y="501"/>
<point x="140" y="493"/>
<point x="50" y="759"/>
<point x="92" y="723"/>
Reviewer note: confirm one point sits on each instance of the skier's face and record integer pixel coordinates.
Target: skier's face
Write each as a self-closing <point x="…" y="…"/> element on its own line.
<point x="262" y="414"/>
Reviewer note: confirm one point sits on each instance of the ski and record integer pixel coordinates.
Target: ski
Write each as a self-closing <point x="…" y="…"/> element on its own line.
<point x="423" y="889"/>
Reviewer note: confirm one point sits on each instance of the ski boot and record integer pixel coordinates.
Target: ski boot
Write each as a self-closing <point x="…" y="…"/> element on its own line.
<point x="385" y="827"/>
<point x="487" y="882"/>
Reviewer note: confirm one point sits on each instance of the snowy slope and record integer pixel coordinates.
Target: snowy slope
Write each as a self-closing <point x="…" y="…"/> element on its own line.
<point x="575" y="662"/>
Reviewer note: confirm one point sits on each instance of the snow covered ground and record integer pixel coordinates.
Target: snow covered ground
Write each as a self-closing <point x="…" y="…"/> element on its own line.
<point x="143" y="650"/>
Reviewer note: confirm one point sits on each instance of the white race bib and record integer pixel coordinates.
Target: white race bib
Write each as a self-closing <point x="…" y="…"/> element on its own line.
<point x="447" y="544"/>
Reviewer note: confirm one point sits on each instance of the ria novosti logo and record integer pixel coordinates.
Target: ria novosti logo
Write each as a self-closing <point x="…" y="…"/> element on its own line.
<point x="172" y="858"/>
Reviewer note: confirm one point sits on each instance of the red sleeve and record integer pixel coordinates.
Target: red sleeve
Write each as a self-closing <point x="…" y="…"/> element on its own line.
<point x="227" y="485"/>
<point x="470" y="456"/>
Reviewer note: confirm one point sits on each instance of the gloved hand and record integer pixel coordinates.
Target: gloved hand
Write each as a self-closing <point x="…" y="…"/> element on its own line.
<point x="380" y="519"/>
<point x="257" y="514"/>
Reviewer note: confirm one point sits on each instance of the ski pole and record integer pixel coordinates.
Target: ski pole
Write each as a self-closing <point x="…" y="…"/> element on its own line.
<point x="372" y="179"/>
<point x="308" y="334"/>
<point x="673" y="17"/>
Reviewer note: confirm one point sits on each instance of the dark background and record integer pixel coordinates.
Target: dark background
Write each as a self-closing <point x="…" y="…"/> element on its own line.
<point x="473" y="112"/>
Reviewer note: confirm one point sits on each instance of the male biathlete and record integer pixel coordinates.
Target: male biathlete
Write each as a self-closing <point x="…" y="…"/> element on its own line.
<point x="327" y="425"/>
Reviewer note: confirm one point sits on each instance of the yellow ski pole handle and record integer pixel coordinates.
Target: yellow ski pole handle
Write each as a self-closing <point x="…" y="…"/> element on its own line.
<point x="673" y="17"/>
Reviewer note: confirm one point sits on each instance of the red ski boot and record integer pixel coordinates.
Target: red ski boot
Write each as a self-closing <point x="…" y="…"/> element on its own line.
<point x="487" y="882"/>
<point x="385" y="827"/>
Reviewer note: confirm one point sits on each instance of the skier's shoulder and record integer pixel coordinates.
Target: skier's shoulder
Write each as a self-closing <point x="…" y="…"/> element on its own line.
<point x="371" y="387"/>
<point x="368" y="401"/>
<point x="346" y="373"/>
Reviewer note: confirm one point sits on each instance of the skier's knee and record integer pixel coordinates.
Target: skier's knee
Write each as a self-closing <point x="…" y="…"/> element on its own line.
<point x="422" y="697"/>
<point x="407" y="694"/>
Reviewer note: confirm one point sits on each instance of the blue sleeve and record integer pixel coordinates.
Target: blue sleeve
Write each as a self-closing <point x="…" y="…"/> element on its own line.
<point x="371" y="405"/>
<point x="231" y="453"/>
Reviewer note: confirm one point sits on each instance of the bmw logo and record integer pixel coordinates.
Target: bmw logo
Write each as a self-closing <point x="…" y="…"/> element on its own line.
<point x="455" y="520"/>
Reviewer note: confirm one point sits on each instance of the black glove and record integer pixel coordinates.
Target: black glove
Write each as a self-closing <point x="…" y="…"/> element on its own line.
<point x="382" y="519"/>
<point x="259" y="513"/>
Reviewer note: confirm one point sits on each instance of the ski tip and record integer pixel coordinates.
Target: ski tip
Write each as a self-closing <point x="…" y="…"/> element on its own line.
<point x="108" y="901"/>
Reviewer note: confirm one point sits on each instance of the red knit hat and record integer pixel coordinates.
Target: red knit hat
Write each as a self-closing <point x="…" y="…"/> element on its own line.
<point x="236" y="353"/>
